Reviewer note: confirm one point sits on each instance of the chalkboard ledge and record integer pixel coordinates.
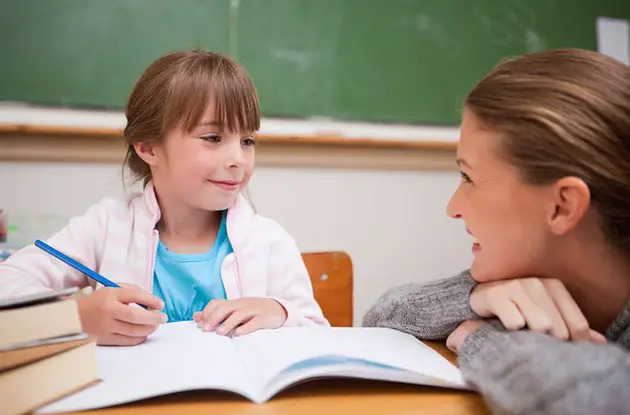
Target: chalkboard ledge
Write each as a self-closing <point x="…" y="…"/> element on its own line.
<point x="62" y="135"/>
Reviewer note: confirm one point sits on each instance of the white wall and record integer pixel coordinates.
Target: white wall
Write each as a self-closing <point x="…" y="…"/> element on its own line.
<point x="393" y="224"/>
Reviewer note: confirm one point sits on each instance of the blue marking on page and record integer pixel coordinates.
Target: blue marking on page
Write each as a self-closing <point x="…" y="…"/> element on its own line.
<point x="336" y="360"/>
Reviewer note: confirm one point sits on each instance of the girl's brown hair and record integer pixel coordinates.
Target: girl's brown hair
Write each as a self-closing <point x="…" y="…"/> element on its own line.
<point x="175" y="92"/>
<point x="562" y="113"/>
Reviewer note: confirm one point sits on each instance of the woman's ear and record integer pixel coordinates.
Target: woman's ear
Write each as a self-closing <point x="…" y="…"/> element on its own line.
<point x="146" y="151"/>
<point x="572" y="199"/>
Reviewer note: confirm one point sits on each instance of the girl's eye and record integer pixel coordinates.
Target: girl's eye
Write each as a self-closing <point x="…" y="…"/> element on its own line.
<point x="249" y="141"/>
<point x="213" y="138"/>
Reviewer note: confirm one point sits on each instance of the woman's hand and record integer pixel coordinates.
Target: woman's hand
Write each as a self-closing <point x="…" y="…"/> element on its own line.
<point x="542" y="305"/>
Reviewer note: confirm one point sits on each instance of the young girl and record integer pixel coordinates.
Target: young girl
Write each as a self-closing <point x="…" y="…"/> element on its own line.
<point x="190" y="245"/>
<point x="544" y="154"/>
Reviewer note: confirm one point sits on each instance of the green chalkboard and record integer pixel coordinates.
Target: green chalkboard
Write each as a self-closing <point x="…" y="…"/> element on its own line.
<point x="380" y="60"/>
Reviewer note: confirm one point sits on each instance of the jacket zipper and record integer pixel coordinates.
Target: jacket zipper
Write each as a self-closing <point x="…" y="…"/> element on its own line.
<point x="156" y="237"/>
<point x="236" y="273"/>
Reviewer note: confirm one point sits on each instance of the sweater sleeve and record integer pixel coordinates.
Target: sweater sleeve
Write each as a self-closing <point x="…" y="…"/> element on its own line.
<point x="532" y="373"/>
<point x="428" y="311"/>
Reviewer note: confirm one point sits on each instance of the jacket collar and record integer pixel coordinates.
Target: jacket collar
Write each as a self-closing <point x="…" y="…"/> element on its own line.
<point x="239" y="216"/>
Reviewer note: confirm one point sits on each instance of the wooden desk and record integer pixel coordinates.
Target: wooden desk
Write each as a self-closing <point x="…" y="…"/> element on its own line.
<point x="340" y="396"/>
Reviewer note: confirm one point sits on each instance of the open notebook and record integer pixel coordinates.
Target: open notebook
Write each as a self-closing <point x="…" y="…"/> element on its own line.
<point x="180" y="357"/>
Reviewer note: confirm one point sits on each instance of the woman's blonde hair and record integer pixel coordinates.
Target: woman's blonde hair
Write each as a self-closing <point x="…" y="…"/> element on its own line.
<point x="562" y="113"/>
<point x="175" y="92"/>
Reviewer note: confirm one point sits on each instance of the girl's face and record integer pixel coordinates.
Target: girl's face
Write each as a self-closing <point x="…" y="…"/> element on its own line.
<point x="205" y="168"/>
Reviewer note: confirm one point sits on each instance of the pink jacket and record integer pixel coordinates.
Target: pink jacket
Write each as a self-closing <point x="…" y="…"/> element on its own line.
<point x="118" y="239"/>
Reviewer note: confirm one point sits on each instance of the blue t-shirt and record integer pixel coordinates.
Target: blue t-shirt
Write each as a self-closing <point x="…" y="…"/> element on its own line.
<point x="186" y="282"/>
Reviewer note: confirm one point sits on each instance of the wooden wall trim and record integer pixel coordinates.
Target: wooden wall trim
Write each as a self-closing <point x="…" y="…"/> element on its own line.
<point x="67" y="144"/>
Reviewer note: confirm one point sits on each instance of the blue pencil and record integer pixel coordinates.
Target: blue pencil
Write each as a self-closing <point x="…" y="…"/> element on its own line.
<point x="77" y="265"/>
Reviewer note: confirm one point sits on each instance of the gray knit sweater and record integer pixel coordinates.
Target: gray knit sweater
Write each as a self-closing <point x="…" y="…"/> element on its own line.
<point x="517" y="372"/>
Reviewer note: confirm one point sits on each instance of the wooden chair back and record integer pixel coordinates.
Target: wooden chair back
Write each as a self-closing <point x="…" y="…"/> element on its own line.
<point x="331" y="276"/>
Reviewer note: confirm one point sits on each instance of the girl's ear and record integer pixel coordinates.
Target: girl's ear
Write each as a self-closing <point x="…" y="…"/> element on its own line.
<point x="146" y="151"/>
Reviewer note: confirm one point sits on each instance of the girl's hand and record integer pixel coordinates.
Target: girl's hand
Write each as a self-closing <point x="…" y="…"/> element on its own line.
<point x="107" y="315"/>
<point x="241" y="316"/>
<point x="543" y="305"/>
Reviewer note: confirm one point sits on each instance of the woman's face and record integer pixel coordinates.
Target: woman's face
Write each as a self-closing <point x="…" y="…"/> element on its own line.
<point x="505" y="216"/>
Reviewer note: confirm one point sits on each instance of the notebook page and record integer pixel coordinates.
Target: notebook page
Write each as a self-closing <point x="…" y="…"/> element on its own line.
<point x="271" y="352"/>
<point x="348" y="369"/>
<point x="177" y="357"/>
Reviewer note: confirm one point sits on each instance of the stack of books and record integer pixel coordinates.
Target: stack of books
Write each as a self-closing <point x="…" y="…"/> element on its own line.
<point x="44" y="355"/>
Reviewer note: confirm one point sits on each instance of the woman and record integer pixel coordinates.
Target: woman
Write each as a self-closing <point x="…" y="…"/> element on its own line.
<point x="544" y="155"/>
